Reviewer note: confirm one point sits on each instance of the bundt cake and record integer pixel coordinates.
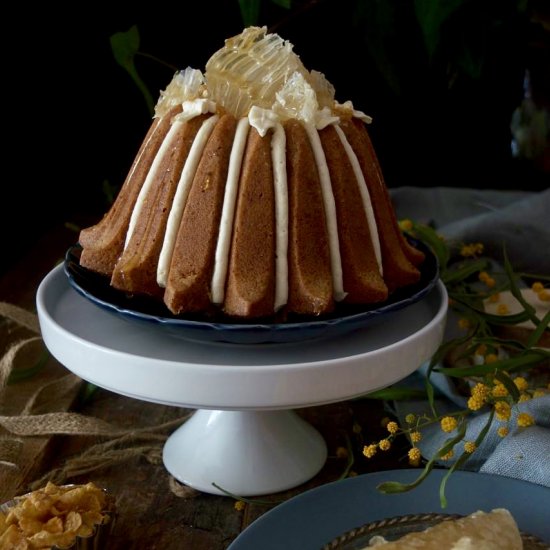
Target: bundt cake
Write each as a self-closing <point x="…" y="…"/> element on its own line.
<point x="254" y="192"/>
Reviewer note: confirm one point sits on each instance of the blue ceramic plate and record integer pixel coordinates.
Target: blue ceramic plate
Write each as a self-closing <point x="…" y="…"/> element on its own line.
<point x="323" y="516"/>
<point x="97" y="289"/>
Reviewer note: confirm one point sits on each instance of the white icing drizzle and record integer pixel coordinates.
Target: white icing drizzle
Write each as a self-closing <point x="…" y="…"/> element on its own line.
<point x="362" y="116"/>
<point x="330" y="213"/>
<point x="223" y="245"/>
<point x="348" y="106"/>
<point x="263" y="120"/>
<point x="194" y="108"/>
<point x="365" y="196"/>
<point x="180" y="198"/>
<point x="278" y="157"/>
<point x="294" y="94"/>
<point x="151" y="176"/>
<point x="324" y="118"/>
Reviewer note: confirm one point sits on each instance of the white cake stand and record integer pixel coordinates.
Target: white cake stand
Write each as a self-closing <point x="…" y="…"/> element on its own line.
<point x="244" y="437"/>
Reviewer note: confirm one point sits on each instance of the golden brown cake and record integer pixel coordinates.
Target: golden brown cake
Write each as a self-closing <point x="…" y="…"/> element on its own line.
<point x="254" y="193"/>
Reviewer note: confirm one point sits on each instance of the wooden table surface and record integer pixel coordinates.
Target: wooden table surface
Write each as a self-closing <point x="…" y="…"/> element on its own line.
<point x="152" y="511"/>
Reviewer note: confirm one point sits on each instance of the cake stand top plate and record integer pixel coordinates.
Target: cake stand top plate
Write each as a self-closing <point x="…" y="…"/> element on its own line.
<point x="133" y="360"/>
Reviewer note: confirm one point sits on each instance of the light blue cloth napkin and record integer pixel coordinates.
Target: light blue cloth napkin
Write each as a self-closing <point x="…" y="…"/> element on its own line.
<point x="518" y="219"/>
<point x="521" y="222"/>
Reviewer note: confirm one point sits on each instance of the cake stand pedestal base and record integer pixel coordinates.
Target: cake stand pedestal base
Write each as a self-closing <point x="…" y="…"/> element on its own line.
<point x="245" y="437"/>
<point x="244" y="452"/>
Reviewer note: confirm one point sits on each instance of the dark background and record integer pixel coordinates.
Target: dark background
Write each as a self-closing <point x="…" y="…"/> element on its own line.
<point x="75" y="119"/>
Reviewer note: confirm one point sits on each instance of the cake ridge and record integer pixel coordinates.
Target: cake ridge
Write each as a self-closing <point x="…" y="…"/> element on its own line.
<point x="280" y="183"/>
<point x="330" y="213"/>
<point x="221" y="258"/>
<point x="180" y="198"/>
<point x="149" y="180"/>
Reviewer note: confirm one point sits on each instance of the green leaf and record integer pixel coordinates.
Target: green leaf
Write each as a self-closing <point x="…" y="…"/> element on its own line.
<point x="483" y="432"/>
<point x="243" y="499"/>
<point x="377" y="23"/>
<point x="19" y="374"/>
<point x="504" y="342"/>
<point x="516" y="292"/>
<point x="452" y="441"/>
<point x="462" y="460"/>
<point x="109" y="190"/>
<point x="435" y="242"/>
<point x="125" y="46"/>
<point x="283" y="3"/>
<point x="431" y="16"/>
<point x="351" y="458"/>
<point x="72" y="227"/>
<point x="506" y="381"/>
<point x="431" y="397"/>
<point x="397" y="393"/>
<point x="250" y="11"/>
<point x="471" y="57"/>
<point x="537" y="333"/>
<point x="514" y="319"/>
<point x="443" y="350"/>
<point x="535" y="276"/>
<point x="392" y="487"/>
<point x="436" y="358"/>
<point x="87" y="392"/>
<point x="514" y="364"/>
<point x="463" y="271"/>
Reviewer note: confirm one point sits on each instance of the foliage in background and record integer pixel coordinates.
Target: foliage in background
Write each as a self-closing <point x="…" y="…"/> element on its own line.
<point x="250" y="9"/>
<point x="125" y="47"/>
<point x="451" y="39"/>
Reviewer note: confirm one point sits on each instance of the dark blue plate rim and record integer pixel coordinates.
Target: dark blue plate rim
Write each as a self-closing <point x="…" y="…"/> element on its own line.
<point x="96" y="288"/>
